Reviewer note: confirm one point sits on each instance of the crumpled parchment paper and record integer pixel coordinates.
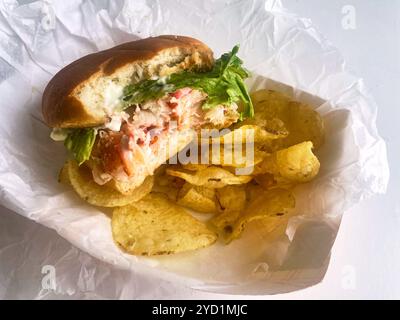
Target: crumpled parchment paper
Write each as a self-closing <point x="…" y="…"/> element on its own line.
<point x="285" y="53"/>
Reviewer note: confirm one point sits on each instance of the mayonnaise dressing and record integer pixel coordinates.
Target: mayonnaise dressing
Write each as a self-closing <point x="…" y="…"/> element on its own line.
<point x="59" y="134"/>
<point x="112" y="96"/>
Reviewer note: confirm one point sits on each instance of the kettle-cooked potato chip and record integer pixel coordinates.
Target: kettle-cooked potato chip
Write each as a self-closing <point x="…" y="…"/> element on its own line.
<point x="166" y="184"/>
<point x="81" y="180"/>
<point x="253" y="189"/>
<point x="232" y="201"/>
<point x="301" y="121"/>
<point x="197" y="198"/>
<point x="63" y="174"/>
<point x="304" y="124"/>
<point x="269" y="181"/>
<point x="195" y="166"/>
<point x="296" y="163"/>
<point x="266" y="180"/>
<point x="223" y="223"/>
<point x="231" y="198"/>
<point x="265" y="95"/>
<point x="272" y="205"/>
<point x="211" y="177"/>
<point x="156" y="226"/>
<point x="240" y="156"/>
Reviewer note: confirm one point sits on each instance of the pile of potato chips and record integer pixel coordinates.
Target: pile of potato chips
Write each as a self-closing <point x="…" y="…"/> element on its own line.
<point x="232" y="186"/>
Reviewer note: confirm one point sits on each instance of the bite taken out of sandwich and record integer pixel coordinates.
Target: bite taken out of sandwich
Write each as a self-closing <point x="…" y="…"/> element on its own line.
<point x="119" y="110"/>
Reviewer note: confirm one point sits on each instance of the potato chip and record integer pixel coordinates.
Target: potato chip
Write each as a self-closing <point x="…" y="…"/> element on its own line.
<point x="266" y="120"/>
<point x="268" y="165"/>
<point x="156" y="226"/>
<point x="301" y="121"/>
<point x="304" y="124"/>
<point x="265" y="95"/>
<point x="294" y="164"/>
<point x="272" y="205"/>
<point x="211" y="177"/>
<point x="224" y="222"/>
<point x="243" y="147"/>
<point x="197" y="198"/>
<point x="231" y="198"/>
<point x="240" y="156"/>
<point x="102" y="196"/>
<point x="166" y="184"/>
<point x="195" y="166"/>
<point x="298" y="163"/>
<point x="268" y="181"/>
<point x="63" y="174"/>
<point x="253" y="189"/>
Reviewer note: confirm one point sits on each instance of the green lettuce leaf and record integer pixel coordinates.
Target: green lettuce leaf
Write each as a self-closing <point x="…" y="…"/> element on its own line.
<point x="224" y="84"/>
<point x="80" y="143"/>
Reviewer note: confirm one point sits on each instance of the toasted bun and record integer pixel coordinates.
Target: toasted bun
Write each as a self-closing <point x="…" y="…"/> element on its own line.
<point x="81" y="94"/>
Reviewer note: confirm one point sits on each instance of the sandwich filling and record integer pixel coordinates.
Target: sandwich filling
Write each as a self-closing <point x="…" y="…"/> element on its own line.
<point x="139" y="137"/>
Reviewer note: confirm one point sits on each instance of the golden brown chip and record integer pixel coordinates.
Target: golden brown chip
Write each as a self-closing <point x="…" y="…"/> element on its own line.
<point x="272" y="205"/>
<point x="268" y="165"/>
<point x="168" y="185"/>
<point x="195" y="166"/>
<point x="156" y="226"/>
<point x="298" y="163"/>
<point x="231" y="198"/>
<point x="294" y="164"/>
<point x="300" y="120"/>
<point x="63" y="174"/>
<point x="304" y="124"/>
<point x="232" y="201"/>
<point x="265" y="180"/>
<point x="197" y="198"/>
<point x="253" y="189"/>
<point x="102" y="196"/>
<point x="241" y="147"/>
<point x="268" y="181"/>
<point x="211" y="177"/>
<point x="264" y="95"/>
<point x="240" y="156"/>
<point x="224" y="222"/>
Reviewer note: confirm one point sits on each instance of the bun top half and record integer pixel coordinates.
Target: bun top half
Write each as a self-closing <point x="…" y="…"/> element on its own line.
<point x="83" y="93"/>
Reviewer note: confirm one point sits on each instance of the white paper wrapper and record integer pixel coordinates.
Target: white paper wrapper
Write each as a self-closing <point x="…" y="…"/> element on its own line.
<point x="37" y="39"/>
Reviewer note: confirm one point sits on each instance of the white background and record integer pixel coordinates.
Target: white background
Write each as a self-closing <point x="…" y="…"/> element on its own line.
<point x="366" y="256"/>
